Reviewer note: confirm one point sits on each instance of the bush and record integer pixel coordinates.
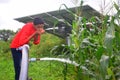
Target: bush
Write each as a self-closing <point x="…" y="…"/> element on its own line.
<point x="4" y="47"/>
<point x="48" y="41"/>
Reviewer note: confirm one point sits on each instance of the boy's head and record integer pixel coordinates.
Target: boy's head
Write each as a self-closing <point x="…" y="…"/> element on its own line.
<point x="38" y="23"/>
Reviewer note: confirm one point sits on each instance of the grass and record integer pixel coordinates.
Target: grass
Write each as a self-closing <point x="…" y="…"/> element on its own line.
<point x="6" y="67"/>
<point x="46" y="70"/>
<point x="40" y="70"/>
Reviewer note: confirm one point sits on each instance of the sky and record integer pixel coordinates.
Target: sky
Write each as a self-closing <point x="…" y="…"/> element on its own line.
<point x="11" y="9"/>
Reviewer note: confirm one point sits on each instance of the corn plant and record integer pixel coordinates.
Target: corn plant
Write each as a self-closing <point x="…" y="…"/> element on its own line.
<point x="95" y="47"/>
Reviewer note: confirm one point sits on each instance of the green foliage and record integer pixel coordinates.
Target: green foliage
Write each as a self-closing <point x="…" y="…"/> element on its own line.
<point x="5" y="35"/>
<point x="4" y="47"/>
<point x="95" y="47"/>
<point x="47" y="42"/>
<point x="43" y="70"/>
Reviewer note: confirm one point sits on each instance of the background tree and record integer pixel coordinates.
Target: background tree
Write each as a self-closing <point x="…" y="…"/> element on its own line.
<point x="5" y="35"/>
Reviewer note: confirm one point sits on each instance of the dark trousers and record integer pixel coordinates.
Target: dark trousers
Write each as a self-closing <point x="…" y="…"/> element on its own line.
<point x="17" y="57"/>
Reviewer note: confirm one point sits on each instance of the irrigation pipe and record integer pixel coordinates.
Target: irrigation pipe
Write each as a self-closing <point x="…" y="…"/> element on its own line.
<point x="24" y="63"/>
<point x="54" y="59"/>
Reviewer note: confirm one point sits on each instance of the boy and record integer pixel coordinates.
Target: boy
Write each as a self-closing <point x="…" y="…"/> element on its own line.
<point x="31" y="30"/>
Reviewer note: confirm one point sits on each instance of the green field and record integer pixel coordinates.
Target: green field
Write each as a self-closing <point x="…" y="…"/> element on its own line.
<point x="39" y="70"/>
<point x="96" y="48"/>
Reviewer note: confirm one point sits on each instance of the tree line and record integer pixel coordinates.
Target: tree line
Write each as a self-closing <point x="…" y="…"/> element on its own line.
<point x="5" y="35"/>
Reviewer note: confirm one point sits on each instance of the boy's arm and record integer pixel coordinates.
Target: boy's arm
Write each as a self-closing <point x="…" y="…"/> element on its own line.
<point x="37" y="37"/>
<point x="24" y="38"/>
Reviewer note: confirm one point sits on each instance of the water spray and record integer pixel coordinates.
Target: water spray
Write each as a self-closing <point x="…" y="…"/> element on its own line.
<point x="54" y="59"/>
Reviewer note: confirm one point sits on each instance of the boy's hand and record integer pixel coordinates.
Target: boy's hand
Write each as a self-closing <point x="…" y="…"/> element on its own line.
<point x="42" y="31"/>
<point x="39" y="31"/>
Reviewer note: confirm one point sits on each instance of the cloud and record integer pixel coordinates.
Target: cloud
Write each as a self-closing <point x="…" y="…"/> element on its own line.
<point x="10" y="9"/>
<point x="4" y="1"/>
<point x="7" y="23"/>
